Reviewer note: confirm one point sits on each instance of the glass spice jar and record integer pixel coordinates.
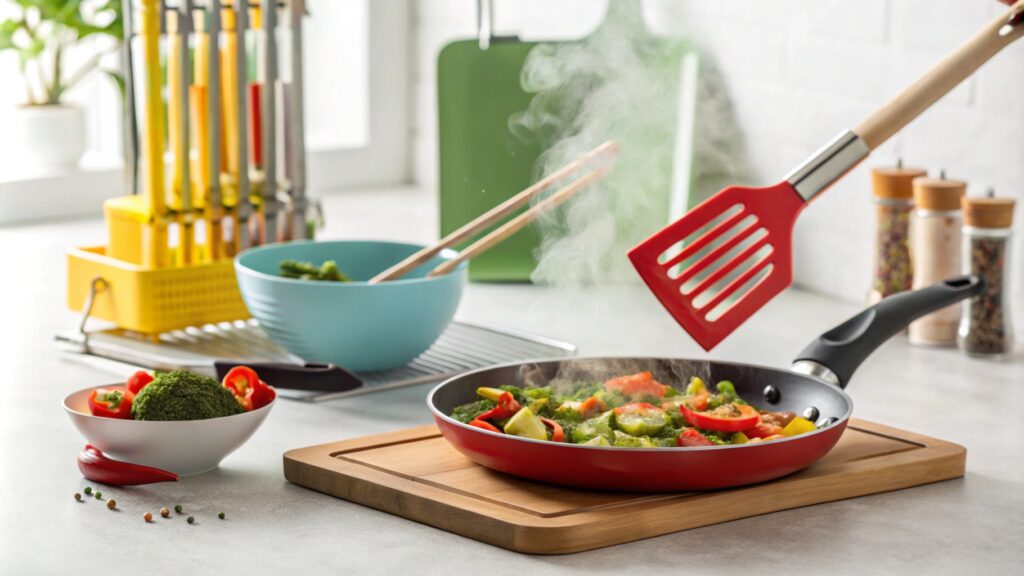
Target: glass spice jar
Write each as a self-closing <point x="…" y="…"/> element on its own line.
<point x="935" y="245"/>
<point x="985" y="326"/>
<point x="893" y="193"/>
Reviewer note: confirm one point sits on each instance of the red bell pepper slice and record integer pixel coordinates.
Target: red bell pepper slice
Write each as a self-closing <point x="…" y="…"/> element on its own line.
<point x="557" y="433"/>
<point x="136" y="382"/>
<point x="240" y="381"/>
<point x="720" y="420"/>
<point x="507" y="406"/>
<point x="98" y="468"/>
<point x="763" y="430"/>
<point x="260" y="395"/>
<point x="691" y="437"/>
<point x="111" y="403"/>
<point x="484" y="425"/>
<point x="635" y="385"/>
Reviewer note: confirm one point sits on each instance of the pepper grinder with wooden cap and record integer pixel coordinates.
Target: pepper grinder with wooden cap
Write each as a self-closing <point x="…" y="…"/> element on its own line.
<point x="935" y="238"/>
<point x="893" y="192"/>
<point x="985" y="325"/>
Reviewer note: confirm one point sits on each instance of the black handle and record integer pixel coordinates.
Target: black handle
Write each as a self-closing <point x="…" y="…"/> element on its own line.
<point x="310" y="377"/>
<point x="842" y="349"/>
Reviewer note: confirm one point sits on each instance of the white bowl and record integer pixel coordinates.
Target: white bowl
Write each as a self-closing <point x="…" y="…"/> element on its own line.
<point x="184" y="447"/>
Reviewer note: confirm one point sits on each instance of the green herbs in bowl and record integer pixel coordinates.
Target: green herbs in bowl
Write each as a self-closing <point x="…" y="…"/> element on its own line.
<point x="326" y="272"/>
<point x="181" y="395"/>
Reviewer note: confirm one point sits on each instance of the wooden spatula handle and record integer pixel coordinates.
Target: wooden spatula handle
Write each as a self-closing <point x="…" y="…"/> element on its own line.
<point x="945" y="76"/>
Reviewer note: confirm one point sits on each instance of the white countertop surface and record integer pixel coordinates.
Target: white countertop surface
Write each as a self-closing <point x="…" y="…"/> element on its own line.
<point x="969" y="525"/>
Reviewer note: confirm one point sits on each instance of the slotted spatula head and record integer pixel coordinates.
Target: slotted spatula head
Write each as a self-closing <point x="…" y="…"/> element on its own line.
<point x="716" y="266"/>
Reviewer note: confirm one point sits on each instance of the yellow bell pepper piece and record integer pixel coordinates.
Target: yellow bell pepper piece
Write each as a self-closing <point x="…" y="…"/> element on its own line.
<point x="739" y="438"/>
<point x="798" y="426"/>
<point x="491" y="394"/>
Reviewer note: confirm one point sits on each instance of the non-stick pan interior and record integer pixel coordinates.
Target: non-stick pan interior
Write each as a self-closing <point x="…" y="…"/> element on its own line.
<point x="767" y="388"/>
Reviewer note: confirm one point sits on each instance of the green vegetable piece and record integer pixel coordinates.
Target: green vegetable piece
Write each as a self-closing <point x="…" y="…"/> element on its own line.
<point x="725" y="387"/>
<point x="177" y="508"/>
<point x="610" y="399"/>
<point x="538" y="393"/>
<point x="596" y="426"/>
<point x="630" y="441"/>
<point x="220" y="515"/>
<point x="88" y="490"/>
<point x="526" y="424"/>
<point x="181" y="395"/>
<point x="646" y="423"/>
<point x="739" y="438"/>
<point x="467" y="412"/>
<point x="329" y="272"/>
<point x="597" y="441"/>
<point x="670" y="392"/>
<point x="696" y="386"/>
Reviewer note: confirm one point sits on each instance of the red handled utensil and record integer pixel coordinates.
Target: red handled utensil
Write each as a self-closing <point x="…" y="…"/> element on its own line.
<point x="718" y="265"/>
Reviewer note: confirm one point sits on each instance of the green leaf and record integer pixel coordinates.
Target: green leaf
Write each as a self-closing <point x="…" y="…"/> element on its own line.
<point x="7" y="30"/>
<point x="32" y="51"/>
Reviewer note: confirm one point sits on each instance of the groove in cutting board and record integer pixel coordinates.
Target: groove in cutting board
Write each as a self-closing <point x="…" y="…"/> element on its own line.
<point x="416" y="474"/>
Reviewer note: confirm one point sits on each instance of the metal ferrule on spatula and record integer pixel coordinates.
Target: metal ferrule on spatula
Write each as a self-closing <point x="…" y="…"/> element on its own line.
<point x="828" y="164"/>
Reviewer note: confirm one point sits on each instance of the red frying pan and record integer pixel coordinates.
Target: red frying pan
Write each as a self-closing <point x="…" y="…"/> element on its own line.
<point x="813" y="388"/>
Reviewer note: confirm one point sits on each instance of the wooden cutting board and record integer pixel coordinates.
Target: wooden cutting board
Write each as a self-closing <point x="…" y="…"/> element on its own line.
<point x="415" y="474"/>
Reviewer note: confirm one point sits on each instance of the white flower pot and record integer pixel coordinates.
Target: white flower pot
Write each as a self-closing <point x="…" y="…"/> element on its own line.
<point x="46" y="138"/>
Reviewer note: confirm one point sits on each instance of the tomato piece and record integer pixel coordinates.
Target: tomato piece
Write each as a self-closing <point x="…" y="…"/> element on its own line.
<point x="728" y="418"/>
<point x="591" y="407"/>
<point x="136" y="382"/>
<point x="111" y="403"/>
<point x="763" y="430"/>
<point x="484" y="425"/>
<point x="260" y="395"/>
<point x="691" y="437"/>
<point x="557" y="433"/>
<point x="507" y="402"/>
<point x="634" y="385"/>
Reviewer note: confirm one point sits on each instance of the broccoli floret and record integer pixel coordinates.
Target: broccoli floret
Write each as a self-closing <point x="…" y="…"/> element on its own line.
<point x="537" y="393"/>
<point x="181" y="395"/>
<point x="467" y="412"/>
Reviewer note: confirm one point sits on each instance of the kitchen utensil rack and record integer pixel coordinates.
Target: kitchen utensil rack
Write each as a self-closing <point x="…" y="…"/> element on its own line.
<point x="464" y="346"/>
<point x="234" y="156"/>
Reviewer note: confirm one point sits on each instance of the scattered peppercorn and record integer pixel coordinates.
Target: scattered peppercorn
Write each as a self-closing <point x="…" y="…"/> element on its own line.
<point x="111" y="504"/>
<point x="78" y="497"/>
<point x="191" y="520"/>
<point x="165" y="512"/>
<point x="98" y="495"/>
<point x="177" y="508"/>
<point x="221" y="515"/>
<point x="88" y="490"/>
<point x="148" y="516"/>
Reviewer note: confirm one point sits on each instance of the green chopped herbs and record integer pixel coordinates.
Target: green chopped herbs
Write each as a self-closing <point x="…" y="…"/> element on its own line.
<point x="326" y="272"/>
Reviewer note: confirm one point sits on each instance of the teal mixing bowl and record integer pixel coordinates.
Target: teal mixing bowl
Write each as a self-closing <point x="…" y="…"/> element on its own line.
<point x="358" y="326"/>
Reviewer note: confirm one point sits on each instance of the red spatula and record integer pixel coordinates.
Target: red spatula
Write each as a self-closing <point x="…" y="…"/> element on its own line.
<point x="730" y="255"/>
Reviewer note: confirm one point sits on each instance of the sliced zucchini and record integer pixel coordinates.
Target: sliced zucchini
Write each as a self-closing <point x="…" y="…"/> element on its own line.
<point x="596" y="426"/>
<point x="527" y="425"/>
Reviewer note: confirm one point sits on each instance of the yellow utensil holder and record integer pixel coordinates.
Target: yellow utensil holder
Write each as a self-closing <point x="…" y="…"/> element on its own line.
<point x="152" y="301"/>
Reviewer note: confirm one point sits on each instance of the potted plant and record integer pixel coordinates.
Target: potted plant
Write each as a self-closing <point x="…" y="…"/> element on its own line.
<point x="59" y="44"/>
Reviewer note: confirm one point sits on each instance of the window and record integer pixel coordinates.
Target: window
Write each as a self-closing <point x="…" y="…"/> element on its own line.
<point x="356" y="85"/>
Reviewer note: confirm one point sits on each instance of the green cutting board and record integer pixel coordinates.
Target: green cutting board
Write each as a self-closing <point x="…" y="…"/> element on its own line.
<point x="481" y="162"/>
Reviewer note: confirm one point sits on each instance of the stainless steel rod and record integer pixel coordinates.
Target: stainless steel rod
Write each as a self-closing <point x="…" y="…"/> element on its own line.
<point x="269" y="103"/>
<point x="297" y="124"/>
<point x="129" y="114"/>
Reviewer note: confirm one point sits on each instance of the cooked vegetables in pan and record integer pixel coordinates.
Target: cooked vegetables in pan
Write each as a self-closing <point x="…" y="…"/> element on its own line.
<point x="629" y="411"/>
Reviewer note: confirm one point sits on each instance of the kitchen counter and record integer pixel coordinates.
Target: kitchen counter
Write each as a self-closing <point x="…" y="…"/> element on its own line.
<point x="970" y="525"/>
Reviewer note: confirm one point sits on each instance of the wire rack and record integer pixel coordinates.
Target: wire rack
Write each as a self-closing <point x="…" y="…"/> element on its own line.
<point x="463" y="347"/>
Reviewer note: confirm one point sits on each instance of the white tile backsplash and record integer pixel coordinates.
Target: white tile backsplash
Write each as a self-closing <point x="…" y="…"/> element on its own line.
<point x="798" y="72"/>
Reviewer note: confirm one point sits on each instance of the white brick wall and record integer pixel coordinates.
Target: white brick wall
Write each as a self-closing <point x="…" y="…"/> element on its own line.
<point x="798" y="72"/>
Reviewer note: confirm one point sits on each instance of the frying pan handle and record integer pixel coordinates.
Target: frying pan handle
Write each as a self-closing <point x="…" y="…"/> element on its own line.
<point x="952" y="70"/>
<point x="836" y="354"/>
